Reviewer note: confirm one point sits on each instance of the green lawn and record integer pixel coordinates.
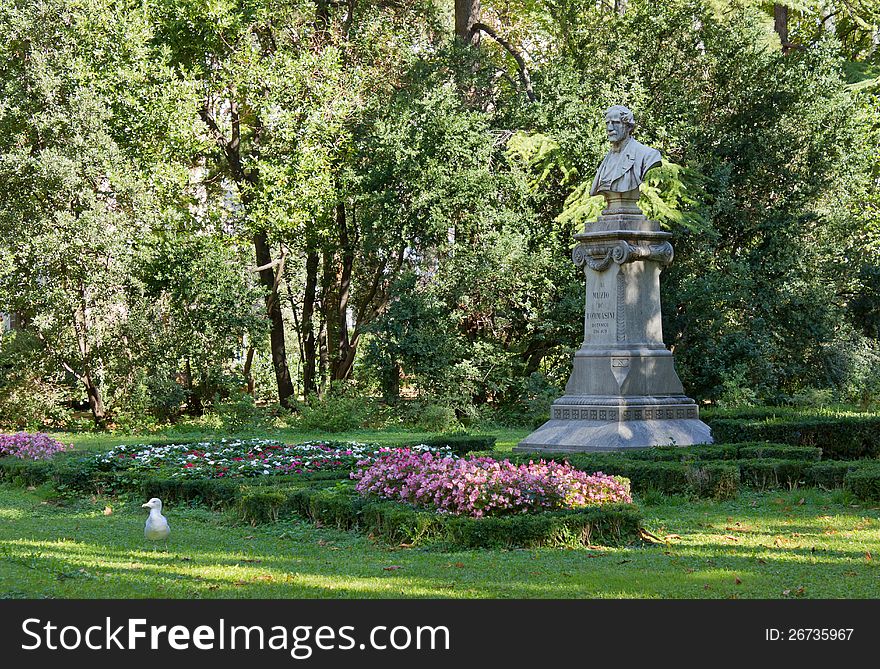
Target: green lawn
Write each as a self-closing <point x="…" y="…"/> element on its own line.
<point x="806" y="543"/>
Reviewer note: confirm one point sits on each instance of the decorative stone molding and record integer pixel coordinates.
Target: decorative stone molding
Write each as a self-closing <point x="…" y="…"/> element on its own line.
<point x="598" y="257"/>
<point x="625" y="413"/>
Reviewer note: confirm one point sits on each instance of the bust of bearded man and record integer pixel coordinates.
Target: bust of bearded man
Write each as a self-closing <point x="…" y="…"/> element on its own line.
<point x="625" y="165"/>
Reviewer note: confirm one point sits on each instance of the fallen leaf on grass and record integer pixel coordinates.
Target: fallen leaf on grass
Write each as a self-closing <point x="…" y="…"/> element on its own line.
<point x="737" y="580"/>
<point x="802" y="501"/>
<point x="107" y="511"/>
<point x="730" y="537"/>
<point x="250" y="536"/>
<point x="671" y="536"/>
<point x="624" y="561"/>
<point x="868" y="556"/>
<point x="707" y="587"/>
<point x="392" y="567"/>
<point x="250" y="560"/>
<point x="459" y="564"/>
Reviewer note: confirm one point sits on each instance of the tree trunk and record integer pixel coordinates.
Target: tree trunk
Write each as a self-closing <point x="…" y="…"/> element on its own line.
<point x="343" y="359"/>
<point x="308" y="314"/>
<point x="96" y="402"/>
<point x="286" y="391"/>
<point x="780" y="25"/>
<point x="196" y="405"/>
<point x="322" y="355"/>
<point x="246" y="179"/>
<point x="248" y="365"/>
<point x="467" y="13"/>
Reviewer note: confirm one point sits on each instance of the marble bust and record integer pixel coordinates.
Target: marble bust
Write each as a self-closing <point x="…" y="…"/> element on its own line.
<point x="625" y="165"/>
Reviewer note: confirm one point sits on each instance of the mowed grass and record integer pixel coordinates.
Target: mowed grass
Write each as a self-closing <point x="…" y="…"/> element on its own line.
<point x="805" y="543"/>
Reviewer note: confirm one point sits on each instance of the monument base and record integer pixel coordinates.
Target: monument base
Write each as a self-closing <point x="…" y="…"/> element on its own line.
<point x="600" y="436"/>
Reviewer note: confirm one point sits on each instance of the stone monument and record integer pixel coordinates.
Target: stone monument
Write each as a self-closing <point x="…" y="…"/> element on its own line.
<point x="623" y="391"/>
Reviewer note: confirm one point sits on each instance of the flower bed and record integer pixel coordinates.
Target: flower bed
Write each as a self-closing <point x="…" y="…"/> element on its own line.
<point x="27" y="446"/>
<point x="240" y="458"/>
<point x="482" y="486"/>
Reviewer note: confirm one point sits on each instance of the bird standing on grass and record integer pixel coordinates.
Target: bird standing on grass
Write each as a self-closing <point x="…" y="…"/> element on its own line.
<point x="157" y="528"/>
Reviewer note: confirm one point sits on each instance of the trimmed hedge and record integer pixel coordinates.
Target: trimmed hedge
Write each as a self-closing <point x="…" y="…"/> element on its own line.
<point x="398" y="523"/>
<point x="839" y="437"/>
<point x="715" y="479"/>
<point x="773" y="466"/>
<point x="864" y="482"/>
<point x="461" y="444"/>
<point x="25" y="472"/>
<point x="739" y="451"/>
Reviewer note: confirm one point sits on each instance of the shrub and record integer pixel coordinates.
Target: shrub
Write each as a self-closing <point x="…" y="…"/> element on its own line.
<point x="612" y="524"/>
<point x="436" y="418"/>
<point x="719" y="480"/>
<point x="339" y="410"/>
<point x="770" y="473"/>
<point x="831" y="473"/>
<point x="461" y="444"/>
<point x="864" y="482"/>
<point x="778" y="452"/>
<point x="26" y="472"/>
<point x="27" y="446"/>
<point x="479" y="486"/>
<point x="260" y="506"/>
<point x="682" y="453"/>
<point x="844" y="437"/>
<point x="240" y="412"/>
<point x="397" y="523"/>
<point x="28" y="402"/>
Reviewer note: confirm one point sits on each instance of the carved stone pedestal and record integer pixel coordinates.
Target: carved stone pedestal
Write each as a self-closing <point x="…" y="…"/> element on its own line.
<point x="624" y="391"/>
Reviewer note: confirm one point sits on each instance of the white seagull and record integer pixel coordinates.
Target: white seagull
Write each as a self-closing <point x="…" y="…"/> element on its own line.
<point x="157" y="528"/>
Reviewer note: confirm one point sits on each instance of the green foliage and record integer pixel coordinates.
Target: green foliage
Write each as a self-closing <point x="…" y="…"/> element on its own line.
<point x="772" y="473"/>
<point x="339" y="410"/>
<point x="397" y="524"/>
<point x="260" y="506"/>
<point x="864" y="483"/>
<point x="30" y="402"/>
<point x="712" y="479"/>
<point x="461" y="444"/>
<point x="840" y="438"/>
<point x="779" y="451"/>
<point x="417" y="208"/>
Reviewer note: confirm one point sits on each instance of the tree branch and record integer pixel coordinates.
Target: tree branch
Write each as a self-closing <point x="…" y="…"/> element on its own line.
<point x="520" y="61"/>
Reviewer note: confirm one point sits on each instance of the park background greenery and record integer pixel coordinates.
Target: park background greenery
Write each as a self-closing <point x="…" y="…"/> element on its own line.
<point x="287" y="218"/>
<point x="351" y="214"/>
